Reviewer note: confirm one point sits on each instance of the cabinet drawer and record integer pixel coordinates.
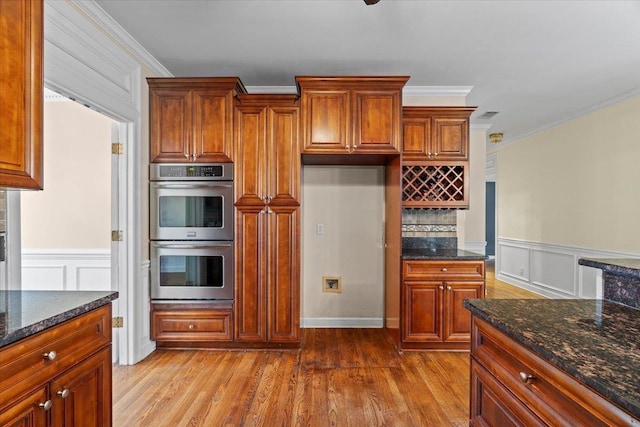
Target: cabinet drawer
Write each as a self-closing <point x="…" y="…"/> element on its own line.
<point x="23" y="365"/>
<point x="553" y="395"/>
<point x="443" y="270"/>
<point x="192" y="325"/>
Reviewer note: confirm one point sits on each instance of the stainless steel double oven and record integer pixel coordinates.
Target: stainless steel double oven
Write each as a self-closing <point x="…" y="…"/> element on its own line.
<point x="191" y="231"/>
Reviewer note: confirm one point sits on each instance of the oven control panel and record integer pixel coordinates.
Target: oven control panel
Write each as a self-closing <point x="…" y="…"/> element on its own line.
<point x="191" y="172"/>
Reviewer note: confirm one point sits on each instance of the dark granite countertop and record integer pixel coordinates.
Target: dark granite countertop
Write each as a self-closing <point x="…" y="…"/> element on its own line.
<point x="24" y="313"/>
<point x="629" y="267"/>
<point x="440" y="254"/>
<point x="595" y="341"/>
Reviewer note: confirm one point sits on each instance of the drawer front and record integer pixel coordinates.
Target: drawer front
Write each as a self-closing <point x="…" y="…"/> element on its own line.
<point x="192" y="325"/>
<point x="552" y="394"/>
<point x="443" y="270"/>
<point x="23" y="365"/>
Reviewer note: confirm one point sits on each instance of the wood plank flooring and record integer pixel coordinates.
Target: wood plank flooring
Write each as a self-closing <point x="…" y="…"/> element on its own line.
<point x="340" y="377"/>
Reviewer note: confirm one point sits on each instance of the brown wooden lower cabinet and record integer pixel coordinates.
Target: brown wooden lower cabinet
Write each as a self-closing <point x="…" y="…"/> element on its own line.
<point x="512" y="386"/>
<point x="433" y="316"/>
<point x="69" y="388"/>
<point x="181" y="324"/>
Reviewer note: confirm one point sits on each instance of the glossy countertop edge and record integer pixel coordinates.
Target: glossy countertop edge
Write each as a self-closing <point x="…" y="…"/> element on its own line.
<point x="630" y="405"/>
<point x="441" y="254"/>
<point x="95" y="299"/>
<point x="629" y="267"/>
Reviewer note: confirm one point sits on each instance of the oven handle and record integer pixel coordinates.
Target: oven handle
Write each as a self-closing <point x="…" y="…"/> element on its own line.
<point x="190" y="186"/>
<point x="194" y="246"/>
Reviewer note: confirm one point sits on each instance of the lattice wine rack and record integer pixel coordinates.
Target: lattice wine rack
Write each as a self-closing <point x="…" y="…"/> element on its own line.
<point x="441" y="185"/>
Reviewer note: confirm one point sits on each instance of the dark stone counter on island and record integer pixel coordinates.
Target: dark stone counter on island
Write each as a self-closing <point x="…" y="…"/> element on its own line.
<point x="441" y="254"/>
<point x="620" y="279"/>
<point x="25" y="313"/>
<point x="595" y="341"/>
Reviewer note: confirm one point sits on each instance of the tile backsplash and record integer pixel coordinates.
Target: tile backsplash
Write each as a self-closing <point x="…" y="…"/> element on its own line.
<point x="429" y="223"/>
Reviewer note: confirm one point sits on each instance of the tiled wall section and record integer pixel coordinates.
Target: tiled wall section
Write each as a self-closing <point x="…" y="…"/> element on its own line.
<point x="3" y="211"/>
<point x="429" y="223"/>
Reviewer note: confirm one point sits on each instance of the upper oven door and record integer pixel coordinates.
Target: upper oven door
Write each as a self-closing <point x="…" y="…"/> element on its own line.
<point x="191" y="210"/>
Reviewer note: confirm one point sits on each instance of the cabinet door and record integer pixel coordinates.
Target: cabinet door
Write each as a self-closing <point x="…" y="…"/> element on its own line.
<point x="450" y="138"/>
<point x="171" y="125"/>
<point x="326" y="121"/>
<point x="82" y="396"/>
<point x="250" y="155"/>
<point x="283" y="274"/>
<point x="27" y="411"/>
<point x="457" y="319"/>
<point x="422" y="316"/>
<point x="416" y="139"/>
<point x="376" y="121"/>
<point x="21" y="38"/>
<point x="212" y="126"/>
<point x="283" y="171"/>
<point x="251" y="263"/>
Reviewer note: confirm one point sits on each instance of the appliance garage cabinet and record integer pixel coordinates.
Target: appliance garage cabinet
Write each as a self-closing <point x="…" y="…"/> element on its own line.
<point x="191" y="119"/>
<point x="21" y="43"/>
<point x="57" y="372"/>
<point x="267" y="164"/>
<point x="432" y="293"/>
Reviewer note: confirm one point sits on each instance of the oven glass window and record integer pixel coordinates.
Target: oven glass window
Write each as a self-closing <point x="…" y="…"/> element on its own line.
<point x="191" y="271"/>
<point x="188" y="211"/>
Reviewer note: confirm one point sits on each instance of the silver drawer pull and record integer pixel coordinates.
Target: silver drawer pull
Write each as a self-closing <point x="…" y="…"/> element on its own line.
<point x="444" y="270"/>
<point x="49" y="356"/>
<point x="526" y="378"/>
<point x="46" y="405"/>
<point x="63" y="393"/>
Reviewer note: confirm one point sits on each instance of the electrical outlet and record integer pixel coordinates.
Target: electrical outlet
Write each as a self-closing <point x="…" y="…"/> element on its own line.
<point x="319" y="229"/>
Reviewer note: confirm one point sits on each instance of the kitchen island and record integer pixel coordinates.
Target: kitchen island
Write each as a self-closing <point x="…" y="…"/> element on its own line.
<point x="558" y="362"/>
<point x="55" y="357"/>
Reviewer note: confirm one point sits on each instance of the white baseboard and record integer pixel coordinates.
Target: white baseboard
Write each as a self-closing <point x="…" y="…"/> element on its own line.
<point x="66" y="269"/>
<point x="342" y="322"/>
<point x="550" y="270"/>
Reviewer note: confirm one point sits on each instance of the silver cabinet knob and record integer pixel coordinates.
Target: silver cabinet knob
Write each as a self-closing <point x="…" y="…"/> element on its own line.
<point x="63" y="393"/>
<point x="526" y="378"/>
<point x="191" y="326"/>
<point x="46" y="405"/>
<point x="441" y="287"/>
<point x="448" y="288"/>
<point x="444" y="269"/>
<point x="50" y="355"/>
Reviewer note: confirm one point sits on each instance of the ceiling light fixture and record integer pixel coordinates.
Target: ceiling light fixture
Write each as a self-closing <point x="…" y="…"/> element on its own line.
<point x="370" y="2"/>
<point x="495" y="138"/>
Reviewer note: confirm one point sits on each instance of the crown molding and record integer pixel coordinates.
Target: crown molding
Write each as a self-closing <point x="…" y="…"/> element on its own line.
<point x="111" y="27"/>
<point x="480" y="126"/>
<point x="51" y="96"/>
<point x="436" y="90"/>
<point x="289" y="90"/>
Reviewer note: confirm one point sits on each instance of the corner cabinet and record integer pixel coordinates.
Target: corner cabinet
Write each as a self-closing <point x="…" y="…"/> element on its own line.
<point x="21" y="44"/>
<point x="350" y="116"/>
<point x="61" y="376"/>
<point x="436" y="133"/>
<point x="191" y="119"/>
<point x="433" y="316"/>
<point x="267" y="188"/>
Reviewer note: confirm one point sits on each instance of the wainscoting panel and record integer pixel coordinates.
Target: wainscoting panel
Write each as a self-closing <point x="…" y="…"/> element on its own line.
<point x="68" y="270"/>
<point x="551" y="270"/>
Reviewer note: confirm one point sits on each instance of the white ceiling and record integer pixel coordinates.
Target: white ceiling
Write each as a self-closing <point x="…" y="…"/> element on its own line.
<point x="536" y="62"/>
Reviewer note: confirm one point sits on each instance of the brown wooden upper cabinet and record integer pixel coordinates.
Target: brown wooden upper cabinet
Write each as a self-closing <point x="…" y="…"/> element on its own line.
<point x="21" y="40"/>
<point x="436" y="133"/>
<point x="351" y="115"/>
<point x="192" y="118"/>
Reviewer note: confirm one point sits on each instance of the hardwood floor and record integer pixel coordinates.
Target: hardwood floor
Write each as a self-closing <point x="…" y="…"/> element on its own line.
<point x="340" y="377"/>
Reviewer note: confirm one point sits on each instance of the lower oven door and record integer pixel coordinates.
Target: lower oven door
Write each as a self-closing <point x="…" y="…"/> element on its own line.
<point x="192" y="270"/>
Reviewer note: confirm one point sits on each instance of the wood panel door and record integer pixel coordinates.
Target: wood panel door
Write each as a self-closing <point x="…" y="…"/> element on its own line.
<point x="82" y="396"/>
<point x="170" y="129"/>
<point x="251" y="156"/>
<point x="283" y="169"/>
<point x="28" y="412"/>
<point x="416" y="138"/>
<point x="326" y="121"/>
<point x="376" y="122"/>
<point x="212" y="125"/>
<point x="21" y="72"/>
<point x="457" y="319"/>
<point x="422" y="311"/>
<point x="450" y="138"/>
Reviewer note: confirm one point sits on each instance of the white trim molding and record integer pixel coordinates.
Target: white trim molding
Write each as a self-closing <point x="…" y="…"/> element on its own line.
<point x="66" y="269"/>
<point x="142" y="317"/>
<point x="436" y="90"/>
<point x="550" y="270"/>
<point x="491" y="167"/>
<point x="342" y="322"/>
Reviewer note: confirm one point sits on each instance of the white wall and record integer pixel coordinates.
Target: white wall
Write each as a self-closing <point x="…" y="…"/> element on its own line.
<point x="471" y="222"/>
<point x="568" y="192"/>
<point x="74" y="209"/>
<point x="349" y="202"/>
